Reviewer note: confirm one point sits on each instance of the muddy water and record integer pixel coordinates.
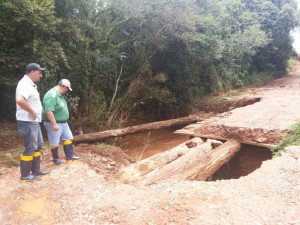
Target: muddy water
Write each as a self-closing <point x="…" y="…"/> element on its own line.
<point x="246" y="161"/>
<point x="143" y="145"/>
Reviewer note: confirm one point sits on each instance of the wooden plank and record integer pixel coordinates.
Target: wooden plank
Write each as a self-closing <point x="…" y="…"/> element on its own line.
<point x="200" y="163"/>
<point x="134" y="171"/>
<point x="266" y="145"/>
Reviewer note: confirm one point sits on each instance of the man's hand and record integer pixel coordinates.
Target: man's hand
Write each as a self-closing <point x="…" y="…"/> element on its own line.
<point x="52" y="120"/>
<point x="33" y="115"/>
<point x="55" y="126"/>
<point x="20" y="100"/>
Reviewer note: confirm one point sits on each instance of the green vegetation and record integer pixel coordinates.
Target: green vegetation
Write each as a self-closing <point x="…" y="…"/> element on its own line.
<point x="291" y="63"/>
<point x="293" y="138"/>
<point x="129" y="57"/>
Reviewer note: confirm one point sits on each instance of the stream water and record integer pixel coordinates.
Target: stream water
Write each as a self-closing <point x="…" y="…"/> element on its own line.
<point x="143" y="145"/>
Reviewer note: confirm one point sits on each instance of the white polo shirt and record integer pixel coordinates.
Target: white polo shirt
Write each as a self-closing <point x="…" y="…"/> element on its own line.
<point x="28" y="90"/>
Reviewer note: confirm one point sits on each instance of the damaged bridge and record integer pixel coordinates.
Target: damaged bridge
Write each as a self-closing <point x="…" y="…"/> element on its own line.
<point x="271" y="112"/>
<point x="261" y="123"/>
<point x="261" y="119"/>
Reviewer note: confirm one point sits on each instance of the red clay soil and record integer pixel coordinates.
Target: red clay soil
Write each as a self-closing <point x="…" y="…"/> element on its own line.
<point x="89" y="192"/>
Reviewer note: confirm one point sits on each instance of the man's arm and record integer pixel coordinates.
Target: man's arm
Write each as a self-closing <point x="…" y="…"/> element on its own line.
<point x="20" y="100"/>
<point x="52" y="120"/>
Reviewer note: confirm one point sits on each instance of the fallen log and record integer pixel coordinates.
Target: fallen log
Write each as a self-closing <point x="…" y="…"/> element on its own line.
<point x="133" y="172"/>
<point x="138" y="128"/>
<point x="200" y="163"/>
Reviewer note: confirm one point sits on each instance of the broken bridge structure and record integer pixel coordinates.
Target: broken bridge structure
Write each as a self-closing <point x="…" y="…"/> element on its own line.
<point x="272" y="111"/>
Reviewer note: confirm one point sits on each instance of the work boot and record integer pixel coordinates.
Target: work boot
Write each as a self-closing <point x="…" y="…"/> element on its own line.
<point x="25" y="167"/>
<point x="68" y="149"/>
<point x="36" y="163"/>
<point x="56" y="160"/>
<point x="74" y="157"/>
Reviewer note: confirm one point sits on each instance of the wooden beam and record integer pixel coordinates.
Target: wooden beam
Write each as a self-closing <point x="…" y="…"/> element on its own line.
<point x="199" y="164"/>
<point x="265" y="145"/>
<point x="139" y="128"/>
<point x="135" y="171"/>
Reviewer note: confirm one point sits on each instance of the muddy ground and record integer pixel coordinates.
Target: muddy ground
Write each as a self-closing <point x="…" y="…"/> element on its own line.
<point x="89" y="192"/>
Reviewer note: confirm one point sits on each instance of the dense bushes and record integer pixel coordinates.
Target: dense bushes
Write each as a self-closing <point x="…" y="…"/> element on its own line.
<point x="155" y="57"/>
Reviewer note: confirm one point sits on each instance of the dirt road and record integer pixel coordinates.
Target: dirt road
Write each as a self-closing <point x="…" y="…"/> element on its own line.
<point x="263" y="122"/>
<point x="77" y="194"/>
<point x="88" y="192"/>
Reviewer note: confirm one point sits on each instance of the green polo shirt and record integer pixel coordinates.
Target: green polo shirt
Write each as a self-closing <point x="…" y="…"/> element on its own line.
<point x="55" y="102"/>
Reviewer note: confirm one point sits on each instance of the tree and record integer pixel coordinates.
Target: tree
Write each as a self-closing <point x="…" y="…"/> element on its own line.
<point x="125" y="57"/>
<point x="27" y="35"/>
<point x="277" y="18"/>
<point x="156" y="49"/>
<point x="227" y="37"/>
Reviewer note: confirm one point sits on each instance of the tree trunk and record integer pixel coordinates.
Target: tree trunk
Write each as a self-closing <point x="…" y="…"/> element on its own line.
<point x="133" y="172"/>
<point x="218" y="157"/>
<point x="200" y="163"/>
<point x="139" y="128"/>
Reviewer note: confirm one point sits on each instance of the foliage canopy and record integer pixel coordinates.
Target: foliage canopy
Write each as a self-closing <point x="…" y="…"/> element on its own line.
<point x="125" y="58"/>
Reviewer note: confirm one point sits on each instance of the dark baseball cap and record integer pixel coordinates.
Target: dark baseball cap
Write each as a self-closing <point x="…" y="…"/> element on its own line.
<point x="33" y="66"/>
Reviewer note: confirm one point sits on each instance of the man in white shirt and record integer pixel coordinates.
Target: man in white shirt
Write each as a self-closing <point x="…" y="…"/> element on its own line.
<point x="28" y="115"/>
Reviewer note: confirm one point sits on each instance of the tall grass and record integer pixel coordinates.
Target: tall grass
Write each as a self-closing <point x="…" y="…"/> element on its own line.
<point x="293" y="138"/>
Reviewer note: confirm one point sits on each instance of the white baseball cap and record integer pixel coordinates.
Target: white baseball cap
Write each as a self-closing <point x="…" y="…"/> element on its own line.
<point x="66" y="83"/>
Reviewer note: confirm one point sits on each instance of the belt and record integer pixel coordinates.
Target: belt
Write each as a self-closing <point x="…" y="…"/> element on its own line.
<point x="56" y="121"/>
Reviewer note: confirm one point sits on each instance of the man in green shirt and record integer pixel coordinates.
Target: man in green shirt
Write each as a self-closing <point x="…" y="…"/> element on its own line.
<point x="55" y="117"/>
